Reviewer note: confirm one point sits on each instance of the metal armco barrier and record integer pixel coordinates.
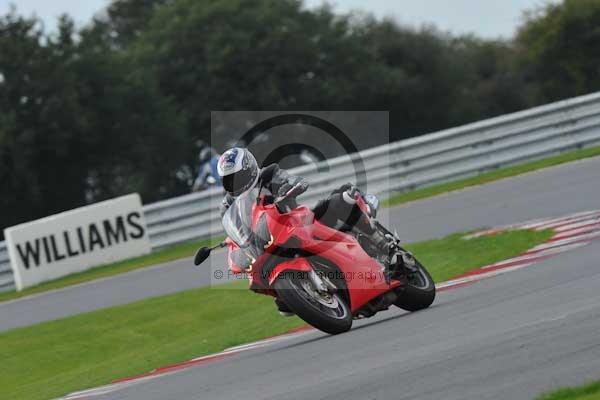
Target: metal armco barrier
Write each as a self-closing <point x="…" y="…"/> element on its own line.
<point x="405" y="165"/>
<point x="409" y="164"/>
<point x="6" y="275"/>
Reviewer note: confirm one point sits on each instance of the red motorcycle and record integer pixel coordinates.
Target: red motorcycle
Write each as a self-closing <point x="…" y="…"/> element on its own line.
<point x="325" y="276"/>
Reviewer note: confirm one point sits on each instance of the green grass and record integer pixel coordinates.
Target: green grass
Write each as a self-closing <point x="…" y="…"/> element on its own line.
<point x="168" y="254"/>
<point x="492" y="176"/>
<point x="53" y="358"/>
<point x="188" y="249"/>
<point x="453" y="255"/>
<point x="588" y="392"/>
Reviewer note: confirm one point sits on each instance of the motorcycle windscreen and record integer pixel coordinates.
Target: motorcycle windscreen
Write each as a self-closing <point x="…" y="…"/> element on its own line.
<point x="237" y="220"/>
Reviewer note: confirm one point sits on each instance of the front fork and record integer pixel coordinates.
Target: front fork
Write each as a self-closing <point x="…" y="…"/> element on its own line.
<point x="323" y="285"/>
<point x="317" y="282"/>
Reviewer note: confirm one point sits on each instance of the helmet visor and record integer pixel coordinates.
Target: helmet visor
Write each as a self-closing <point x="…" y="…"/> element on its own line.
<point x="237" y="183"/>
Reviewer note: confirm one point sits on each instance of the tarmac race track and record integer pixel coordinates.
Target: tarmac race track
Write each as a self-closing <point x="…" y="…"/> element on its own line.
<point x="552" y="192"/>
<point x="512" y="336"/>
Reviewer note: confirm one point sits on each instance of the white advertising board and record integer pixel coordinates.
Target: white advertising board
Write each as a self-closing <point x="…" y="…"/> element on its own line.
<point x="77" y="240"/>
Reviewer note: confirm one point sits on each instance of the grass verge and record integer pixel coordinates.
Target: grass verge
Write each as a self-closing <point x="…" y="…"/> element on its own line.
<point x="492" y="176"/>
<point x="590" y="391"/>
<point x="53" y="358"/>
<point x="188" y="249"/>
<point x="452" y="256"/>
<point x="168" y="254"/>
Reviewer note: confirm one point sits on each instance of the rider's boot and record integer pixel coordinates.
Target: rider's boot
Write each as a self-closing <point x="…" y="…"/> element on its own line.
<point x="385" y="247"/>
<point x="382" y="242"/>
<point x="399" y="258"/>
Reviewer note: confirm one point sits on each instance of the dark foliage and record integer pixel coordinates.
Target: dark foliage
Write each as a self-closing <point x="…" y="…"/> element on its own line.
<point x="116" y="106"/>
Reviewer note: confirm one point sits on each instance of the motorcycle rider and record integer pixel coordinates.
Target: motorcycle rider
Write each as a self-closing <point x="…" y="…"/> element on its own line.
<point x="239" y="172"/>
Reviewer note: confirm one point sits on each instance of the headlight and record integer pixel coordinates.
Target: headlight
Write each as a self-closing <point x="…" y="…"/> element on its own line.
<point x="242" y="259"/>
<point x="251" y="247"/>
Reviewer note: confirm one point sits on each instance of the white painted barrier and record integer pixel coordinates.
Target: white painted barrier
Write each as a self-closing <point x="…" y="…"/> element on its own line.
<point x="77" y="240"/>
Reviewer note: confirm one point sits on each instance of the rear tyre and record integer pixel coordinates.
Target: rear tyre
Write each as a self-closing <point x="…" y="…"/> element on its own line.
<point x="418" y="292"/>
<point x="327" y="312"/>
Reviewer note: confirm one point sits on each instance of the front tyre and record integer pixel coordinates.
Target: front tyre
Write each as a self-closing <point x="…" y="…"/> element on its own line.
<point x="327" y="312"/>
<point x="418" y="291"/>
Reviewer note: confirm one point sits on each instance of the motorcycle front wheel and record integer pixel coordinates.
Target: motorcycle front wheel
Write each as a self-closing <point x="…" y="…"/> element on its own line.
<point x="327" y="312"/>
<point x="418" y="292"/>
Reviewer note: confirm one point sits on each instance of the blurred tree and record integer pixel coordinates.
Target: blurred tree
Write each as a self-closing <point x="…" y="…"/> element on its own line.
<point x="559" y="49"/>
<point x="75" y="126"/>
<point x="124" y="20"/>
<point x="443" y="81"/>
<point x="115" y="107"/>
<point x="136" y="131"/>
<point x="426" y="79"/>
<point x="489" y="84"/>
<point x="41" y="122"/>
<point x="258" y="54"/>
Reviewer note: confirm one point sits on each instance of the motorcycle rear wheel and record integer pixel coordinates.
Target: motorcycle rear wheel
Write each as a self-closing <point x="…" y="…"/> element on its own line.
<point x="418" y="292"/>
<point x="330" y="314"/>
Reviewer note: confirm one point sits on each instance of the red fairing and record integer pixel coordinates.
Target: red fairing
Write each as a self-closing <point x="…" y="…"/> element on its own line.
<point x="363" y="275"/>
<point x="296" y="264"/>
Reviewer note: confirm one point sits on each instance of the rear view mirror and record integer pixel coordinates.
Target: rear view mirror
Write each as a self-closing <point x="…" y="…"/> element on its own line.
<point x="201" y="255"/>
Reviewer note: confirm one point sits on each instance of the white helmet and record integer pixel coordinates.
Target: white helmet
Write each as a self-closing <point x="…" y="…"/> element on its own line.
<point x="238" y="170"/>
